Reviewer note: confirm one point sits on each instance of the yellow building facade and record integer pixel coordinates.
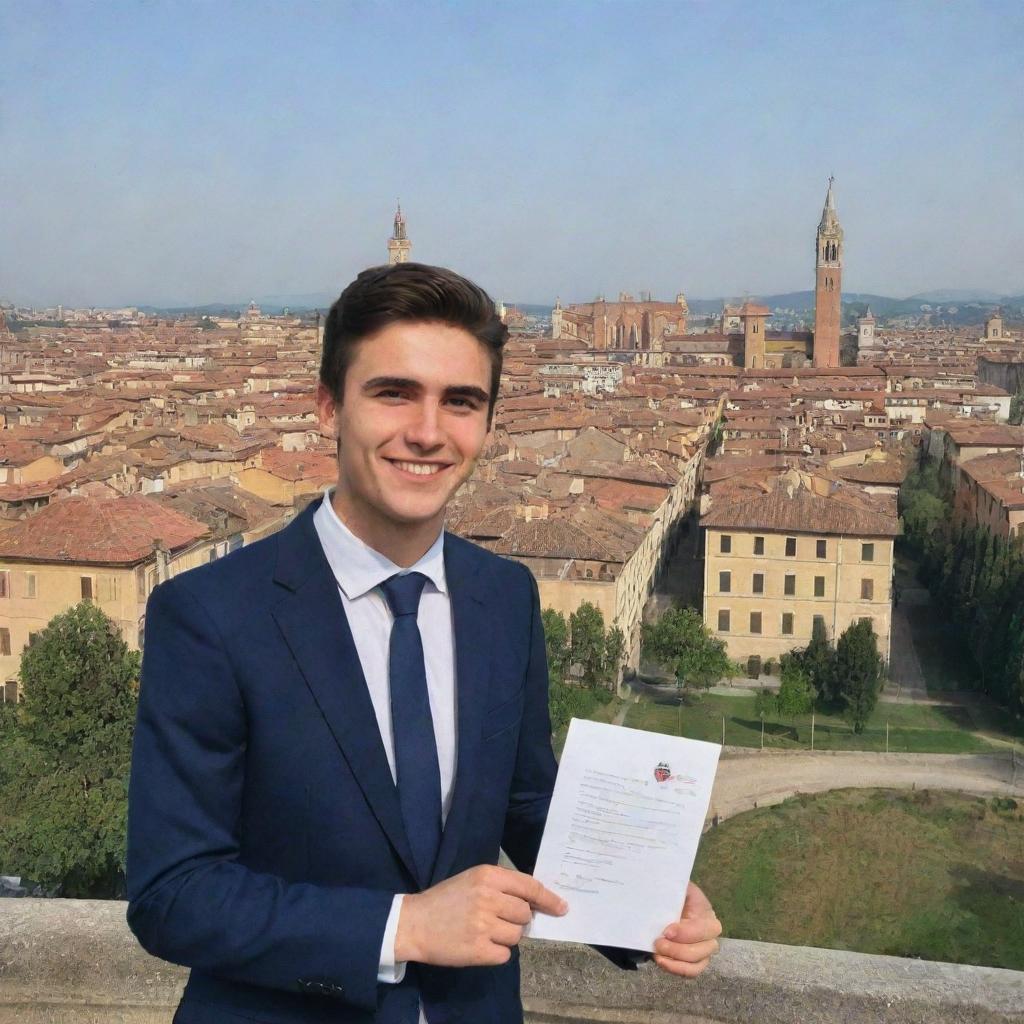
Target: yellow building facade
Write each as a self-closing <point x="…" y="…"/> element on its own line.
<point x="766" y="581"/>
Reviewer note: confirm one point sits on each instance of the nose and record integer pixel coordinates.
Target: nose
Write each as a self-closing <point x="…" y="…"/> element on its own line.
<point x="423" y="431"/>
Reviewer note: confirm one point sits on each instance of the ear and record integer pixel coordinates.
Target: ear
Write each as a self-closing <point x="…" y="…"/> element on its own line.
<point x="326" y="410"/>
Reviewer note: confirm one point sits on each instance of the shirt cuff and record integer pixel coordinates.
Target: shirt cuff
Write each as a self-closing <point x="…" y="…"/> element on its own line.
<point x="389" y="972"/>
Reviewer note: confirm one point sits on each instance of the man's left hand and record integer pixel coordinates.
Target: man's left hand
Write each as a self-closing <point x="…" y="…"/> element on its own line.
<point x="687" y="945"/>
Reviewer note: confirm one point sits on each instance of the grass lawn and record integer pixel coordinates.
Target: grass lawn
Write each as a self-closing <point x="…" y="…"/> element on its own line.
<point x="912" y="728"/>
<point x="603" y="713"/>
<point x="932" y="875"/>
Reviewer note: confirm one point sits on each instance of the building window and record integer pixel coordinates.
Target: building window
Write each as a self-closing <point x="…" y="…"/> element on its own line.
<point x="758" y="583"/>
<point x="787" y="623"/>
<point x="723" y="620"/>
<point x="5" y="640"/>
<point x="790" y="547"/>
<point x="759" y="545"/>
<point x="86" y="588"/>
<point x="789" y="584"/>
<point x="867" y="552"/>
<point x="30" y="584"/>
<point x="725" y="544"/>
<point x="9" y="692"/>
<point x="820" y="548"/>
<point x="5" y="586"/>
<point x="724" y="582"/>
<point x="819" y="586"/>
<point x="819" y="620"/>
<point x="867" y="590"/>
<point x="755" y="622"/>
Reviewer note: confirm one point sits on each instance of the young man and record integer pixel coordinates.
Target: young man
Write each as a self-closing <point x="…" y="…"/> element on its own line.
<point x="340" y="725"/>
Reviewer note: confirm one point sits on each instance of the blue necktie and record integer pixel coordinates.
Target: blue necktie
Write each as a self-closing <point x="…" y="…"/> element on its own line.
<point x="416" y="764"/>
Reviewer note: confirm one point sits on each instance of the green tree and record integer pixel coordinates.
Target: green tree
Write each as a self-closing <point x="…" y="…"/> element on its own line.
<point x="796" y="694"/>
<point x="1016" y="409"/>
<point x="858" y="672"/>
<point x="63" y="782"/>
<point x="818" y="661"/>
<point x="556" y="643"/>
<point x="680" y="641"/>
<point x="587" y="642"/>
<point x="614" y="653"/>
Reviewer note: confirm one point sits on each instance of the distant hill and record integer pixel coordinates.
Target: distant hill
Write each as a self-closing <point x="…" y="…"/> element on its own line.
<point x="978" y="302"/>
<point x="955" y="295"/>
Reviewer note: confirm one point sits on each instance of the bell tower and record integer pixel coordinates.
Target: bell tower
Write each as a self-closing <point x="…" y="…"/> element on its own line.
<point x="828" y="284"/>
<point x="399" y="246"/>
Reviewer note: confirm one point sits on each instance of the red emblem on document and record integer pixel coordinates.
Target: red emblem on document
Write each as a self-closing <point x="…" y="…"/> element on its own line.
<point x="662" y="773"/>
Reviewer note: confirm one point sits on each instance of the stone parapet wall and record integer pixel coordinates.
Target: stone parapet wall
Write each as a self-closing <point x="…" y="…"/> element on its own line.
<point x="75" y="962"/>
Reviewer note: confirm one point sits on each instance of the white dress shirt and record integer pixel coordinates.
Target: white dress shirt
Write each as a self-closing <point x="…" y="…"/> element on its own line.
<point x="360" y="570"/>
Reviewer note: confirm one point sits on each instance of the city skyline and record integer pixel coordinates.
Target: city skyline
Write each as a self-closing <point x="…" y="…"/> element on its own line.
<point x="167" y="157"/>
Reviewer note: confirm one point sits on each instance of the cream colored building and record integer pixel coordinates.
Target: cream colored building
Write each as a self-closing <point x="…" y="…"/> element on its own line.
<point x="775" y="562"/>
<point x="618" y="584"/>
<point x="89" y="549"/>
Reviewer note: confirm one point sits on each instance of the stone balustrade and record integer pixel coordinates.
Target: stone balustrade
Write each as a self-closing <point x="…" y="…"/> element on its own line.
<point x="75" y="962"/>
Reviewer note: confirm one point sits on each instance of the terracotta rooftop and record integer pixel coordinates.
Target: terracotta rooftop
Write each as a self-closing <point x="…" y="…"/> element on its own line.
<point x="800" y="511"/>
<point x="97" y="531"/>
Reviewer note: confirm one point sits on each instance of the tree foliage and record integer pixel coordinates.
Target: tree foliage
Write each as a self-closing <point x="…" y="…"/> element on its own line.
<point x="977" y="578"/>
<point x="817" y="660"/>
<point x="598" y="653"/>
<point x="65" y="757"/>
<point x="1016" y="409"/>
<point x="858" y="672"/>
<point x="587" y="642"/>
<point x="681" y="642"/>
<point x="796" y="694"/>
<point x="556" y="644"/>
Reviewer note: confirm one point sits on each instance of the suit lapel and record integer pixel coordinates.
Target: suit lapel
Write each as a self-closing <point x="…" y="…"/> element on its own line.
<point x="472" y="670"/>
<point x="312" y="619"/>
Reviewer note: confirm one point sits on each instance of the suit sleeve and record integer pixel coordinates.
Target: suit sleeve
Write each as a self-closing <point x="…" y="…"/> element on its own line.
<point x="536" y="768"/>
<point x="190" y="900"/>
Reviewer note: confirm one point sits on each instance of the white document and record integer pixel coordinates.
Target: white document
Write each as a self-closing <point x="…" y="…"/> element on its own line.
<point x="621" y="836"/>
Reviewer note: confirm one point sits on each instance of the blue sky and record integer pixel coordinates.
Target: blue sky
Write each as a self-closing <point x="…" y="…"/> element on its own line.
<point x="187" y="152"/>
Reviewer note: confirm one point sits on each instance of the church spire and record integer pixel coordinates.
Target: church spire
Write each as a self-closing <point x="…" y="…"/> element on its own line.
<point x="399" y="246"/>
<point x="829" y="218"/>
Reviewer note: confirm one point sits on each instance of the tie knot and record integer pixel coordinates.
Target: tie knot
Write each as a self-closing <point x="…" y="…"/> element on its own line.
<point x="402" y="592"/>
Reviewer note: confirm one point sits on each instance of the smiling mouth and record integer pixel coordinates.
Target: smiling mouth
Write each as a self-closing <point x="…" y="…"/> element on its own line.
<point x="419" y="468"/>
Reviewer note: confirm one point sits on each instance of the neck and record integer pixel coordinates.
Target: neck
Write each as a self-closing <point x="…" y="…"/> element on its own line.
<point x="401" y="543"/>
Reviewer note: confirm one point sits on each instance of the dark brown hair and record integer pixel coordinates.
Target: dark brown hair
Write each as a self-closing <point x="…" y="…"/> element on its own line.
<point x="411" y="293"/>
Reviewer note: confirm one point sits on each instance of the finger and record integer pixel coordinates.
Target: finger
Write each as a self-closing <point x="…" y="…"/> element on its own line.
<point x="526" y="887"/>
<point x="513" y="909"/>
<point x="693" y="930"/>
<point x="680" y="967"/>
<point x="696" y="903"/>
<point x="690" y="952"/>
<point x="505" y="934"/>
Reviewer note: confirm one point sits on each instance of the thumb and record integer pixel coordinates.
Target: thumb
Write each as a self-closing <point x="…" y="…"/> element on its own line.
<point x="697" y="904"/>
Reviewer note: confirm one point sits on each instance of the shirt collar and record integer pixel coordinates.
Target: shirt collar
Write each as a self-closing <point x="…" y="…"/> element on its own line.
<point x="357" y="567"/>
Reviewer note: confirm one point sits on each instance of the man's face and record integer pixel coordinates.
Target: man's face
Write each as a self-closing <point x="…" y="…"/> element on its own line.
<point x="412" y="421"/>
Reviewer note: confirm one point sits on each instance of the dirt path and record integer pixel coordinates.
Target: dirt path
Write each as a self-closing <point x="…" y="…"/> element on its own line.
<point x="746" y="780"/>
<point x="904" y="664"/>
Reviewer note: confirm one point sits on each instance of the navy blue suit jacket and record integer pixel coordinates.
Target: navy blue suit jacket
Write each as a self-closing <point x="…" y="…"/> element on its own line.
<point x="265" y="839"/>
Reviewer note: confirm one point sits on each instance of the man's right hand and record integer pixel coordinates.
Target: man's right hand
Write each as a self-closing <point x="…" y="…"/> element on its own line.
<point x="473" y="919"/>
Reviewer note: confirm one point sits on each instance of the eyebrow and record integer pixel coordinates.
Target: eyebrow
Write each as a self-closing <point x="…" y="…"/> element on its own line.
<point x="408" y="384"/>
